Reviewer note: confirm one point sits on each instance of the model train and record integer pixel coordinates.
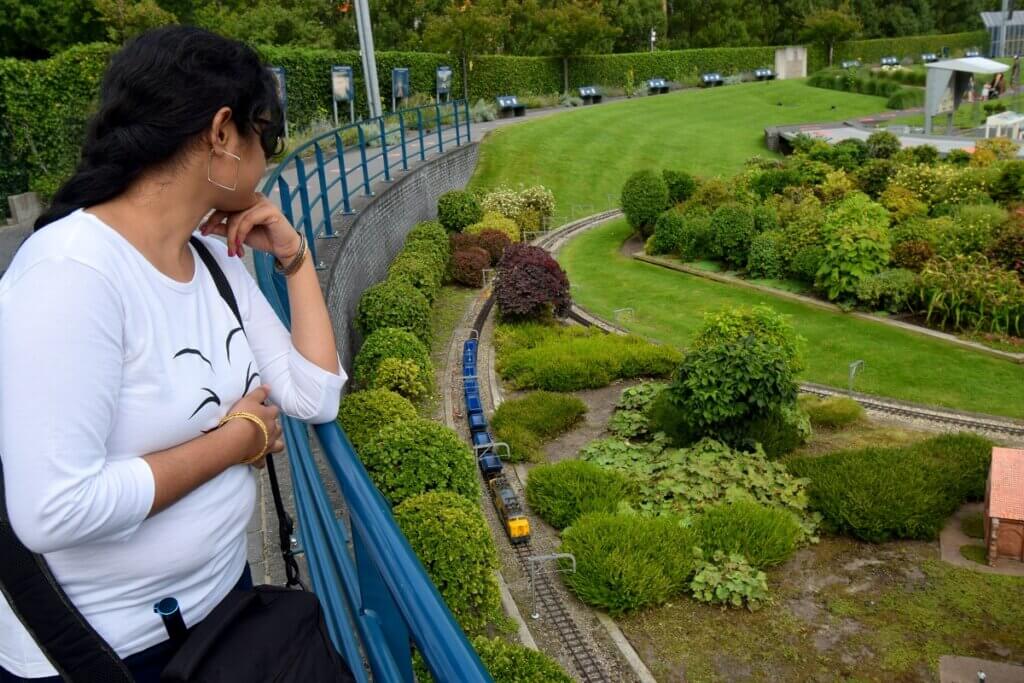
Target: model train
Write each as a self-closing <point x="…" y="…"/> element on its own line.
<point x="487" y="451"/>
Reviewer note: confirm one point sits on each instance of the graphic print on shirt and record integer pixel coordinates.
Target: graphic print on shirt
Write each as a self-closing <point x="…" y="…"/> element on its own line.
<point x="211" y="396"/>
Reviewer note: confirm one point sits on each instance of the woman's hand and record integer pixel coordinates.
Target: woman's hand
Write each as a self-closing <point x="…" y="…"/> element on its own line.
<point x="251" y="438"/>
<point x="262" y="226"/>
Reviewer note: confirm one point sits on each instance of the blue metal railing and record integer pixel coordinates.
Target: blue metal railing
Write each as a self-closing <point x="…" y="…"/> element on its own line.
<point x="377" y="598"/>
<point x="358" y="154"/>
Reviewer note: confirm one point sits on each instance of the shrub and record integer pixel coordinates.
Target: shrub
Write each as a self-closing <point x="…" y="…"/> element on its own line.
<point x="882" y="144"/>
<point x="766" y="218"/>
<point x="925" y="154"/>
<point x="695" y="237"/>
<point x="433" y="233"/>
<point x="468" y="266"/>
<point x="457" y="209"/>
<point x="777" y="431"/>
<point x="836" y="186"/>
<point x="435" y="257"/>
<point x="459" y="241"/>
<point x="627" y="562"/>
<point x="494" y="243"/>
<point x="644" y="197"/>
<point x="525" y="423"/>
<point x="503" y="202"/>
<point x="419" y="271"/>
<point x="857" y="245"/>
<point x="882" y="494"/>
<point x="834" y="412"/>
<point x="495" y="221"/>
<point x="732" y="228"/>
<point x="912" y="254"/>
<point x="1007" y="250"/>
<point x="730" y="580"/>
<point x="736" y="325"/>
<point x="889" y="290"/>
<point x="416" y="456"/>
<point x="1003" y="149"/>
<point x="973" y="229"/>
<point x="394" y="304"/>
<point x="538" y="199"/>
<point x="765" y="257"/>
<point x="402" y="377"/>
<point x="364" y="413"/>
<point x="630" y="418"/>
<point x="774" y="181"/>
<point x="902" y="203"/>
<point x="390" y="342"/>
<point x="511" y="663"/>
<point x="765" y="535"/>
<point x="873" y="177"/>
<point x="1009" y="186"/>
<point x="848" y="154"/>
<point x="958" y="157"/>
<point x="667" y="233"/>
<point x="966" y="292"/>
<point x="555" y="358"/>
<point x="806" y="263"/>
<point x="563" y="492"/>
<point x="681" y="185"/>
<point x="530" y="284"/>
<point x="712" y="193"/>
<point x="453" y="541"/>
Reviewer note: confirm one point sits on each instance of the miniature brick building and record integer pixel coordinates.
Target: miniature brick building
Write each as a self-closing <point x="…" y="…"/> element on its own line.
<point x="1004" y="505"/>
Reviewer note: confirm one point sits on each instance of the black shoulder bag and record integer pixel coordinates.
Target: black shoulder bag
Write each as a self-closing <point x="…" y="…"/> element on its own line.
<point x="271" y="633"/>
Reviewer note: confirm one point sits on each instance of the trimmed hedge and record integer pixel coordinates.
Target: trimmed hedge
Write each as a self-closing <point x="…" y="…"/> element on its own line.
<point x="676" y="65"/>
<point x="363" y="414"/>
<point x="563" y="492"/>
<point x="510" y="663"/>
<point x="871" y="51"/>
<point x="416" y="456"/>
<point x="391" y="342"/>
<point x="394" y="304"/>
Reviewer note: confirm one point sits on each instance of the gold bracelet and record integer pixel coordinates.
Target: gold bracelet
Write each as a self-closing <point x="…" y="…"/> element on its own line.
<point x="259" y="423"/>
<point x="296" y="261"/>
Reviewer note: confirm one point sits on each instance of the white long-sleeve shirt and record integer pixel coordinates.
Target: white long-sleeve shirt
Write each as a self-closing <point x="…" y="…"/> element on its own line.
<point x="104" y="359"/>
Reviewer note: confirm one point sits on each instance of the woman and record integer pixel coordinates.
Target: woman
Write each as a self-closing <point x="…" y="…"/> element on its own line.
<point x="119" y="359"/>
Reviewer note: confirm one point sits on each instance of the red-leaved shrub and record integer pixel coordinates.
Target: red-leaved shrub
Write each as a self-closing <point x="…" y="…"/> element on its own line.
<point x="530" y="283"/>
<point x="494" y="243"/>
<point x="468" y="265"/>
<point x="461" y="241"/>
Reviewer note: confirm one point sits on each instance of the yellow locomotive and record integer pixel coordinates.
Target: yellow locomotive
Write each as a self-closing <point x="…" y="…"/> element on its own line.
<point x="506" y="502"/>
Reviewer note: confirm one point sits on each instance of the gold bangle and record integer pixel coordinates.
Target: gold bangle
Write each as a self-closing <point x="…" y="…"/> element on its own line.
<point x="259" y="423"/>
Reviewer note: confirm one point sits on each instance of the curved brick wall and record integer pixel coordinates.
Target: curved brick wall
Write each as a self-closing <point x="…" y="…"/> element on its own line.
<point x="370" y="240"/>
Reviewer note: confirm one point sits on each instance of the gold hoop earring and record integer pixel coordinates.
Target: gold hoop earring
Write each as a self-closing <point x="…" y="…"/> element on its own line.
<point x="209" y="170"/>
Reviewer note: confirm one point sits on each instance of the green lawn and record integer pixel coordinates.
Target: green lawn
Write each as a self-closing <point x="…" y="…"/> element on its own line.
<point x="585" y="156"/>
<point x="669" y="306"/>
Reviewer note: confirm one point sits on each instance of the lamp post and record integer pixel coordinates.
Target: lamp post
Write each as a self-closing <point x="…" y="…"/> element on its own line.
<point x="654" y="36"/>
<point x="369" y="58"/>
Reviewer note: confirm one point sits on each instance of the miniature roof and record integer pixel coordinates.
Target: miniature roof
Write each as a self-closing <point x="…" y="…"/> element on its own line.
<point x="1006" y="499"/>
<point x="995" y="19"/>
<point x="974" y="65"/>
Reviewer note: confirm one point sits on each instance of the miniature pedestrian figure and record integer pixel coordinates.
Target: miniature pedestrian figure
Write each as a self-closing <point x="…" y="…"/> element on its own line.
<point x="998" y="86"/>
<point x="970" y="89"/>
<point x="986" y="91"/>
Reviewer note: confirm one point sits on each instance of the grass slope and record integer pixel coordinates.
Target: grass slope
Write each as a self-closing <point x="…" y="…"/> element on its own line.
<point x="669" y="307"/>
<point x="586" y="155"/>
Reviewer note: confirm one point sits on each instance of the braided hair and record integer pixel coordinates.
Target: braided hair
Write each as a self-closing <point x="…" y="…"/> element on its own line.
<point x="159" y="93"/>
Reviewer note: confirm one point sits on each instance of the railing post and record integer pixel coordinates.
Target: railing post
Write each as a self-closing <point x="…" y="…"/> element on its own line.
<point x="440" y="129"/>
<point x="306" y="218"/>
<point x="325" y="204"/>
<point x="338" y="145"/>
<point x="362" y="158"/>
<point x="458" y="127"/>
<point x="419" y="127"/>
<point x="384" y="148"/>
<point x="469" y="118"/>
<point x="401" y="132"/>
<point x="377" y="600"/>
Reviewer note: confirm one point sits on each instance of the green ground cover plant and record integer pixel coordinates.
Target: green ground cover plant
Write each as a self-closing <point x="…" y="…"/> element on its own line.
<point x="539" y="416"/>
<point x="765" y="535"/>
<point x="562" y="492"/>
<point x="834" y="412"/>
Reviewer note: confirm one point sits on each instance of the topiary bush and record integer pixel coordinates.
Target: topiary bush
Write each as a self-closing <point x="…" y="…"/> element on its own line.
<point x="882" y="144"/>
<point x="728" y="579"/>
<point x="883" y="494"/>
<point x="494" y="243"/>
<point x="627" y="562"/>
<point x="401" y="376"/>
<point x="644" y="198"/>
<point x="857" y="245"/>
<point x="457" y="209"/>
<point x="391" y="342"/>
<point x="732" y="229"/>
<point x="681" y="185"/>
<point x="432" y="233"/>
<point x="695" y="236"/>
<point x="460" y="240"/>
<point x="467" y="266"/>
<point x="364" y="413"/>
<point x="765" y="257"/>
<point x="496" y="222"/>
<point x="419" y="271"/>
<point x="394" y="303"/>
<point x="417" y="456"/>
<point x="890" y="290"/>
<point x="453" y="541"/>
<point x="834" y="412"/>
<point x="563" y="492"/>
<point x="667" y="232"/>
<point x="511" y="663"/>
<point x="766" y="535"/>
<point x="530" y="284"/>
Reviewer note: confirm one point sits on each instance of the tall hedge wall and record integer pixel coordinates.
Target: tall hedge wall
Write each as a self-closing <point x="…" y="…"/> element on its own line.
<point x="676" y="65"/>
<point x="493" y="75"/>
<point x="870" y="51"/>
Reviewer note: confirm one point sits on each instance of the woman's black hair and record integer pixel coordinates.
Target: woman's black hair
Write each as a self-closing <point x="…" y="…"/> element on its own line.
<point x="159" y="92"/>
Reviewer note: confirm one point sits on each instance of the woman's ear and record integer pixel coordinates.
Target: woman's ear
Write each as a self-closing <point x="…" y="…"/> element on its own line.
<point x="222" y="129"/>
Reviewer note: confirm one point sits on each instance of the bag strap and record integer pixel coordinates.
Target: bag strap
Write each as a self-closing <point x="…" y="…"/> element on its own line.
<point x="67" y="640"/>
<point x="285" y="526"/>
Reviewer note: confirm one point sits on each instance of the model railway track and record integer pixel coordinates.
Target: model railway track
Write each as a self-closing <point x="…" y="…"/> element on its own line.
<point x="938" y="417"/>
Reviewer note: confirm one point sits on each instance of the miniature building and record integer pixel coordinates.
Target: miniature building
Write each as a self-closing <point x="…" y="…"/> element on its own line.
<point x="1004" y="505"/>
